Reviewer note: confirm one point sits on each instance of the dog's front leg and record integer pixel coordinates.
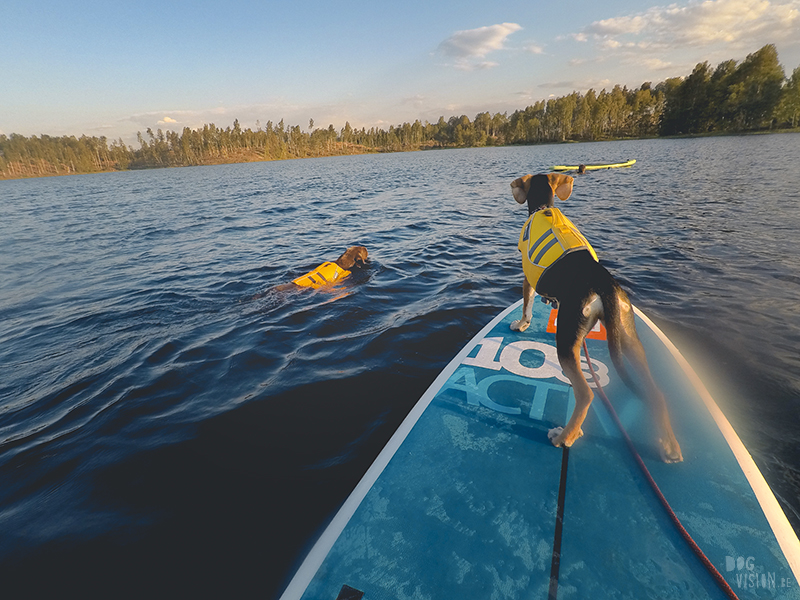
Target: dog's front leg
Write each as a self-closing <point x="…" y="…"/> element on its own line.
<point x="527" y="308"/>
<point x="571" y="365"/>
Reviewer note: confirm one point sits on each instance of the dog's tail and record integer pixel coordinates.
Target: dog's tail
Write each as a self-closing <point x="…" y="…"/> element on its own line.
<point x="619" y="322"/>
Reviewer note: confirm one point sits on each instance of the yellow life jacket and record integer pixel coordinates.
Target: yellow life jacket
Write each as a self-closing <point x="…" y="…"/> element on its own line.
<point x="326" y="273"/>
<point x="547" y="236"/>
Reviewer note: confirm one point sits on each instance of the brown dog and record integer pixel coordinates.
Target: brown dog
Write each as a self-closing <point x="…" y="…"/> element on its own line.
<point x="330" y="272"/>
<point x="562" y="267"/>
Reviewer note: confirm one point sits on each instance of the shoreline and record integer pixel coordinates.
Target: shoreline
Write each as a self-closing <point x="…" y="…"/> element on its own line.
<point x="357" y="150"/>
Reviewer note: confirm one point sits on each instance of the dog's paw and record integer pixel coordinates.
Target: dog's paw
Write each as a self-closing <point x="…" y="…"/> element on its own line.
<point x="520" y="325"/>
<point x="554" y="433"/>
<point x="560" y="439"/>
<point x="670" y="451"/>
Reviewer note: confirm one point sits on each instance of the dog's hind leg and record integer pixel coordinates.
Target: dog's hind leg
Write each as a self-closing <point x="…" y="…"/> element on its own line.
<point x="573" y="326"/>
<point x="527" y="308"/>
<point x="623" y="340"/>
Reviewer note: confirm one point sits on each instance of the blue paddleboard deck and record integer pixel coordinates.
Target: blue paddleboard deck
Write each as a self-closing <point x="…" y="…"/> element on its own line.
<point x="470" y="499"/>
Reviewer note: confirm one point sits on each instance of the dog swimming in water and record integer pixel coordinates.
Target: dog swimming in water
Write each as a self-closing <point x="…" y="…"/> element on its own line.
<point x="331" y="272"/>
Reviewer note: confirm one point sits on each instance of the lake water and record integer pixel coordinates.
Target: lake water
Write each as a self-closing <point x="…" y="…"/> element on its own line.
<point x="173" y="426"/>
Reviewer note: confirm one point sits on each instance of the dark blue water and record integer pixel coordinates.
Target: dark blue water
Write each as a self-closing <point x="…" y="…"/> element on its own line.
<point x="173" y="426"/>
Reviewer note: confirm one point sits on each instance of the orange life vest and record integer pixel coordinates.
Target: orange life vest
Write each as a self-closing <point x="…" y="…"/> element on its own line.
<point x="547" y="236"/>
<point x="326" y="273"/>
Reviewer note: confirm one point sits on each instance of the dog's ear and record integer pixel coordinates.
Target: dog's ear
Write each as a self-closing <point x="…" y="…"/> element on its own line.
<point x="520" y="187"/>
<point x="561" y="184"/>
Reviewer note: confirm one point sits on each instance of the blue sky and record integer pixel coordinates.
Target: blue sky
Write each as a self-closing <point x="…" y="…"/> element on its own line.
<point x="112" y="68"/>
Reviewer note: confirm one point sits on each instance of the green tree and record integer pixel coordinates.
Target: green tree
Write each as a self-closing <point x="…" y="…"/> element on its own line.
<point x="601" y="116"/>
<point x="695" y="114"/>
<point x="722" y="120"/>
<point x="582" y="115"/>
<point x="755" y="89"/>
<point x="646" y="108"/>
<point x="618" y="112"/>
<point x="483" y="126"/>
<point x="672" y="122"/>
<point x="789" y="106"/>
<point x="443" y="132"/>
<point x="347" y="133"/>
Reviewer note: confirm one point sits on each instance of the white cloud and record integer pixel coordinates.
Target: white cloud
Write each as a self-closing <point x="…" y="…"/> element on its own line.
<point x="619" y="25"/>
<point x="741" y="23"/>
<point x="656" y="64"/>
<point x="471" y="44"/>
<point x="415" y="101"/>
<point x="463" y="65"/>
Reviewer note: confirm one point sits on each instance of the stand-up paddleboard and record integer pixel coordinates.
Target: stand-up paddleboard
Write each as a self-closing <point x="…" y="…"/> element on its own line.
<point x="595" y="167"/>
<point x="469" y="499"/>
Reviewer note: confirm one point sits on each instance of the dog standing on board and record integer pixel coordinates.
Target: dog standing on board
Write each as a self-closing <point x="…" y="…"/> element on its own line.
<point x="562" y="267"/>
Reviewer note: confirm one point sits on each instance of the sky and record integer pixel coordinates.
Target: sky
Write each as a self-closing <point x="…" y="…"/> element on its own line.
<point x="112" y="68"/>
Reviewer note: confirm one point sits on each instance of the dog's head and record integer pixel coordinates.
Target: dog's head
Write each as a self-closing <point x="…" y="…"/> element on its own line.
<point x="539" y="190"/>
<point x="353" y="256"/>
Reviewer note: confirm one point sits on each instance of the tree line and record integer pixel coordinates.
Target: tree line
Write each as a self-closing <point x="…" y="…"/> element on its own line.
<point x="753" y="95"/>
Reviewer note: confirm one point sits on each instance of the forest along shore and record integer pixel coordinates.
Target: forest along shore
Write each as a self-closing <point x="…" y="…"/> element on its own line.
<point x="751" y="96"/>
